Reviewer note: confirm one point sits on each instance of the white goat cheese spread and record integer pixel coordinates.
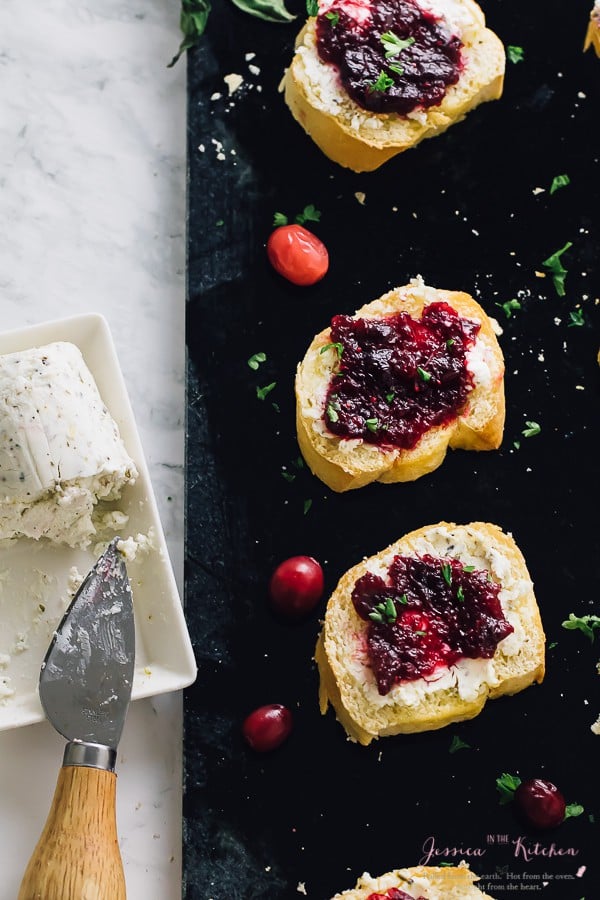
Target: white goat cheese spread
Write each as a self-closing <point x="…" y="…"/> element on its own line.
<point x="60" y="448"/>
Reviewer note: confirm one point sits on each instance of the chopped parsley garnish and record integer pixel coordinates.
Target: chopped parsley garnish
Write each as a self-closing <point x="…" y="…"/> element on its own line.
<point x="557" y="270"/>
<point x="420" y="633"/>
<point x="507" y="784"/>
<point x="424" y="375"/>
<point x="447" y="573"/>
<point x="256" y="359"/>
<point x="389" y="397"/>
<point x="573" y="809"/>
<point x="552" y="645"/>
<point x="576" y="317"/>
<point x="279" y="219"/>
<point x="399" y="70"/>
<point x="403" y="599"/>
<point x="262" y="392"/>
<point x="384" y="612"/>
<point x="517" y="445"/>
<point x="307" y="505"/>
<point x="509" y="306"/>
<point x="586" y="624"/>
<point x="515" y="54"/>
<point x="332" y="413"/>
<point x="450" y="343"/>
<point x="289" y="476"/>
<point x="468" y="568"/>
<point x="372" y="424"/>
<point x="460" y="594"/>
<point x="312" y="7"/>
<point x="339" y="348"/>
<point x="309" y="214"/>
<point x="334" y="18"/>
<point x="531" y="430"/>
<point x="558" y="182"/>
<point x="458" y="744"/>
<point x="383" y="83"/>
<point x="393" y="45"/>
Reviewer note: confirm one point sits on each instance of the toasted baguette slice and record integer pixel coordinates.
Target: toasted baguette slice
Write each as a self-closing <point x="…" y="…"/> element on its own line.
<point x="458" y="692"/>
<point x="592" y="35"/>
<point x="429" y="882"/>
<point x="362" y="140"/>
<point x="348" y="464"/>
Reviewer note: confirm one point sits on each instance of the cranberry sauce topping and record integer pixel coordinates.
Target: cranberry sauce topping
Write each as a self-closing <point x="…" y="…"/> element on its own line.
<point x="392" y="894"/>
<point x="399" y="376"/>
<point x="429" y="612"/>
<point x="397" y="57"/>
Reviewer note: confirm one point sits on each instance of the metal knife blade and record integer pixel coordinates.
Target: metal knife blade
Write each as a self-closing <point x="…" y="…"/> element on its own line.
<point x="87" y="674"/>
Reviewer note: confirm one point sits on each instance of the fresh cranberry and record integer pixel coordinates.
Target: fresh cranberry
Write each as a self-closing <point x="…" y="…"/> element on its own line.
<point x="297" y="254"/>
<point x="296" y="586"/>
<point x="267" y="727"/>
<point x="541" y="803"/>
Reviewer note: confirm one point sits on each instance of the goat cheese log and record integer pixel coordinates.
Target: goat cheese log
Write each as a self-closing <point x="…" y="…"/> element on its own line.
<point x="60" y="448"/>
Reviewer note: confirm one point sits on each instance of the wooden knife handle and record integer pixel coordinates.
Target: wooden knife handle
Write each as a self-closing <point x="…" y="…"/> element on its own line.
<point x="77" y="856"/>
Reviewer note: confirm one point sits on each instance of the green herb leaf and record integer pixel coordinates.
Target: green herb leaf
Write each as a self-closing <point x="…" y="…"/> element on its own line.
<point x="219" y="223"/>
<point x="420" y="633"/>
<point x="307" y="505"/>
<point x="507" y="784"/>
<point x="279" y="219"/>
<point x="586" y="624"/>
<point x="393" y="45"/>
<point x="262" y="392"/>
<point x="573" y="810"/>
<point x="450" y="343"/>
<point x="376" y="617"/>
<point x="557" y="270"/>
<point x="460" y="594"/>
<point x="552" y="645"/>
<point x="383" y="83"/>
<point x="276" y="407"/>
<point x="558" y="182"/>
<point x="576" y="317"/>
<point x="517" y="445"/>
<point x="256" y="359"/>
<point x="299" y="462"/>
<point x="509" y="306"/>
<point x="390" y="610"/>
<point x="447" y="573"/>
<point x="309" y="214"/>
<point x="445" y="865"/>
<point x="334" y="18"/>
<point x="339" y="348"/>
<point x="403" y="599"/>
<point x="531" y="430"/>
<point x="289" y="476"/>
<point x="372" y="424"/>
<point x="468" y="568"/>
<point x="389" y="397"/>
<point x="312" y="7"/>
<point x="269" y="10"/>
<point x="424" y="375"/>
<point x="515" y="54"/>
<point x="399" y="70"/>
<point x="332" y="413"/>
<point x="192" y="22"/>
<point x="457" y="744"/>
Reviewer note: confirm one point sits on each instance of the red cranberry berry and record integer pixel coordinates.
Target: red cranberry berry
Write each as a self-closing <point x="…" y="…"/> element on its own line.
<point x="267" y="727"/>
<point x="296" y="586"/>
<point x="541" y="803"/>
<point x="297" y="254"/>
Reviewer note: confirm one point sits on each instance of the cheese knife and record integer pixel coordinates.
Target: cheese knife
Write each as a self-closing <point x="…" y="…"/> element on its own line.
<point x="85" y="688"/>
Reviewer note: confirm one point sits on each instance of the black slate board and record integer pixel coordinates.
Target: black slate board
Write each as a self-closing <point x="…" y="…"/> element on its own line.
<point x="320" y="810"/>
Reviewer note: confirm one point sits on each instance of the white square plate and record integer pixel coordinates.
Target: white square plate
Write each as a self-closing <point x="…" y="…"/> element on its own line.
<point x="36" y="577"/>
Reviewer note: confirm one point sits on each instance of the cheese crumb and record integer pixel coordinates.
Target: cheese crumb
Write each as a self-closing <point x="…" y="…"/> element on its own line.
<point x="301" y="888"/>
<point x="596" y="726"/>
<point x="361" y="197"/>
<point x="233" y="82"/>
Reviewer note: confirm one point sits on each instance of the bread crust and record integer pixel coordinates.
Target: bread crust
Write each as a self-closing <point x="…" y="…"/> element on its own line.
<point x="348" y="464"/>
<point x="448" y="883"/>
<point x="346" y="681"/>
<point x="331" y="122"/>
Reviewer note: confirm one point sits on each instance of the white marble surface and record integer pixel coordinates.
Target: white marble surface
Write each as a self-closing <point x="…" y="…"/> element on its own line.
<point x="92" y="177"/>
